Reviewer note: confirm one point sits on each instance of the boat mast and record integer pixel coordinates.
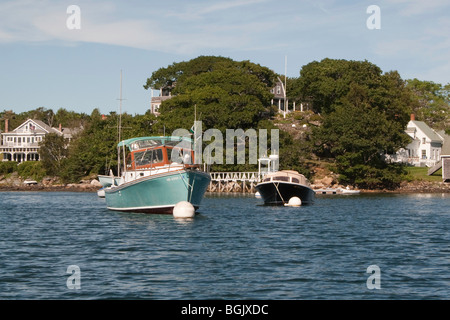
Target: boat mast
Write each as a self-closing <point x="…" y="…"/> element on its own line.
<point x="119" y="126"/>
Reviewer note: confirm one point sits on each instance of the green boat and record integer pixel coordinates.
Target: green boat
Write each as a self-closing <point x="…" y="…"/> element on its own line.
<point x="157" y="173"/>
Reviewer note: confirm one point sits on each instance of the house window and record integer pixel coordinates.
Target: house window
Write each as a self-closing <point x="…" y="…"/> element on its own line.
<point x="278" y="89"/>
<point x="423" y="140"/>
<point x="424" y="154"/>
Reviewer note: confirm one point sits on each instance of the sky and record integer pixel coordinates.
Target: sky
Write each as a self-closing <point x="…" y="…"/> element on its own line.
<point x="55" y="56"/>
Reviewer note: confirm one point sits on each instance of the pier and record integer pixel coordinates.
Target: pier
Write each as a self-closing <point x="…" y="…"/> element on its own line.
<point x="244" y="182"/>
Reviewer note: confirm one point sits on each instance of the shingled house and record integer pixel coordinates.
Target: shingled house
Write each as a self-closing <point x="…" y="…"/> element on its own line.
<point x="22" y="143"/>
<point x="445" y="157"/>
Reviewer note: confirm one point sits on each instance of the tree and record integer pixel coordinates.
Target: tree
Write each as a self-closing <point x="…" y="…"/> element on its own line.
<point x="324" y="83"/>
<point x="364" y="114"/>
<point x="53" y="152"/>
<point x="431" y="102"/>
<point x="225" y="93"/>
<point x="222" y="93"/>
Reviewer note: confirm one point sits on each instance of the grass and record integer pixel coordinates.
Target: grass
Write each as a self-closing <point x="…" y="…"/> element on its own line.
<point x="421" y="174"/>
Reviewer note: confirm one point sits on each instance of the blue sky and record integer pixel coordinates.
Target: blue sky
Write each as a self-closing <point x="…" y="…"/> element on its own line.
<point x="43" y="63"/>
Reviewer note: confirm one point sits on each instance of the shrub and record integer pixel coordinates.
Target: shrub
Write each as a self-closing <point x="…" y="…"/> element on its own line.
<point x="8" y="167"/>
<point x="31" y="169"/>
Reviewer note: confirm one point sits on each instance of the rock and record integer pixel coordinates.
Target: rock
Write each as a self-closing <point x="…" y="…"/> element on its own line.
<point x="96" y="183"/>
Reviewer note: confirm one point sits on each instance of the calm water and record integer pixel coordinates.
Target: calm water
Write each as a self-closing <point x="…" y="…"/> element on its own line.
<point x="234" y="249"/>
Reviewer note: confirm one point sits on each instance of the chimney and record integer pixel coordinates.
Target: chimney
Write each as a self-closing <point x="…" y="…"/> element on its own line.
<point x="60" y="128"/>
<point x="413" y="117"/>
<point x="6" y="125"/>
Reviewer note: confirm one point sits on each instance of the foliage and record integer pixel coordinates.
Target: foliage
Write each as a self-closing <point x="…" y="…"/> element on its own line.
<point x="364" y="115"/>
<point x="323" y="83"/>
<point x="8" y="167"/>
<point x="356" y="113"/>
<point x="95" y="151"/>
<point x="53" y="152"/>
<point x="222" y="92"/>
<point x="431" y="102"/>
<point x="31" y="169"/>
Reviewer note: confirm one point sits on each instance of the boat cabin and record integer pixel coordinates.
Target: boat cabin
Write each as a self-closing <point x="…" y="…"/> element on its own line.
<point x="286" y="176"/>
<point x="153" y="157"/>
<point x="154" y="152"/>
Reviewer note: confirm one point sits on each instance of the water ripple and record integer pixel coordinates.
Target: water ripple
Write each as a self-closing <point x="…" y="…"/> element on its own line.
<point x="233" y="249"/>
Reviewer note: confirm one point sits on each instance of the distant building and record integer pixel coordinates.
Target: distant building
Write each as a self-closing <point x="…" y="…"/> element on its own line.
<point x="155" y="103"/>
<point x="445" y="157"/>
<point x="277" y="100"/>
<point x="22" y="143"/>
<point x="425" y="146"/>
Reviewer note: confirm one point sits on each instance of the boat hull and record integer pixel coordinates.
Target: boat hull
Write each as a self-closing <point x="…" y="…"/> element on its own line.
<point x="107" y="181"/>
<point x="279" y="193"/>
<point x="158" y="193"/>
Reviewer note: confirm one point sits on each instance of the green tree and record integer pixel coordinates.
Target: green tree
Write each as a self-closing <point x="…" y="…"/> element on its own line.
<point x="431" y="102"/>
<point x="222" y="93"/>
<point x="364" y="114"/>
<point x="53" y="152"/>
<point x="225" y="93"/>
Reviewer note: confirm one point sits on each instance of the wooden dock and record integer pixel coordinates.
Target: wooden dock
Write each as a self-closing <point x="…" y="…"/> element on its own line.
<point x="244" y="182"/>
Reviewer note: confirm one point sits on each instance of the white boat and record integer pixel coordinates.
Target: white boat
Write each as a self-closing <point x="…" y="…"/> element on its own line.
<point x="277" y="188"/>
<point x="101" y="193"/>
<point x="348" y="191"/>
<point x="107" y="181"/>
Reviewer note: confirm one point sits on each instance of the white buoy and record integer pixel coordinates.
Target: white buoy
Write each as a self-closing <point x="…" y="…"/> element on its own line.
<point x="294" y="202"/>
<point x="257" y="195"/>
<point x="183" y="209"/>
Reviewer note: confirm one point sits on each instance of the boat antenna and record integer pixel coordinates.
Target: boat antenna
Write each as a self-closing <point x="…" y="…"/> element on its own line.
<point x="284" y="89"/>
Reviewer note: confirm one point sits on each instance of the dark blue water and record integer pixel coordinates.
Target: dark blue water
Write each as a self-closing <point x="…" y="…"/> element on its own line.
<point x="234" y="249"/>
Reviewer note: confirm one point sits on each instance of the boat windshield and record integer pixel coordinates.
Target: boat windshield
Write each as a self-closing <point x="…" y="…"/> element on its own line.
<point x="148" y="157"/>
<point x="180" y="155"/>
<point x="142" y="144"/>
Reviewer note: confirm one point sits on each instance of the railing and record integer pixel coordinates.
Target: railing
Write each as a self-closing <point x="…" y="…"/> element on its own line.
<point x="236" y="176"/>
<point x="20" y="145"/>
<point x="415" y="161"/>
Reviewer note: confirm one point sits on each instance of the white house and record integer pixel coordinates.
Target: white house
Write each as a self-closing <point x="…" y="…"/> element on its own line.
<point x="425" y="147"/>
<point x="22" y="144"/>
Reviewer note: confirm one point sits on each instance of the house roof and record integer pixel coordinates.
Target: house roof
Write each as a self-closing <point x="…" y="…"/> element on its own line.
<point x="430" y="133"/>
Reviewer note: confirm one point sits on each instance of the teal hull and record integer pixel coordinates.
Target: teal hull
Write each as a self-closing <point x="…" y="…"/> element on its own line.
<point x="158" y="193"/>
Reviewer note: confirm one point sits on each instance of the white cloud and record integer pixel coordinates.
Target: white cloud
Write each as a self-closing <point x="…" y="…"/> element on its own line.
<point x="26" y="21"/>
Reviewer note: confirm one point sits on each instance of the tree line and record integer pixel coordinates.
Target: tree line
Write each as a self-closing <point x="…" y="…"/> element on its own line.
<point x="360" y="113"/>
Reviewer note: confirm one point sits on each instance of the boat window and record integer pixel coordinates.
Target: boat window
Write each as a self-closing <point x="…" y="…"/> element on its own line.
<point x="141" y="144"/>
<point x="266" y="179"/>
<point x="281" y="178"/>
<point x="148" y="157"/>
<point x="295" y="180"/>
<point x="180" y="155"/>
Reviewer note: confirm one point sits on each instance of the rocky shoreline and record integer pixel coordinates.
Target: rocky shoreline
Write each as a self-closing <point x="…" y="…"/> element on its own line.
<point x="93" y="185"/>
<point x="48" y="184"/>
